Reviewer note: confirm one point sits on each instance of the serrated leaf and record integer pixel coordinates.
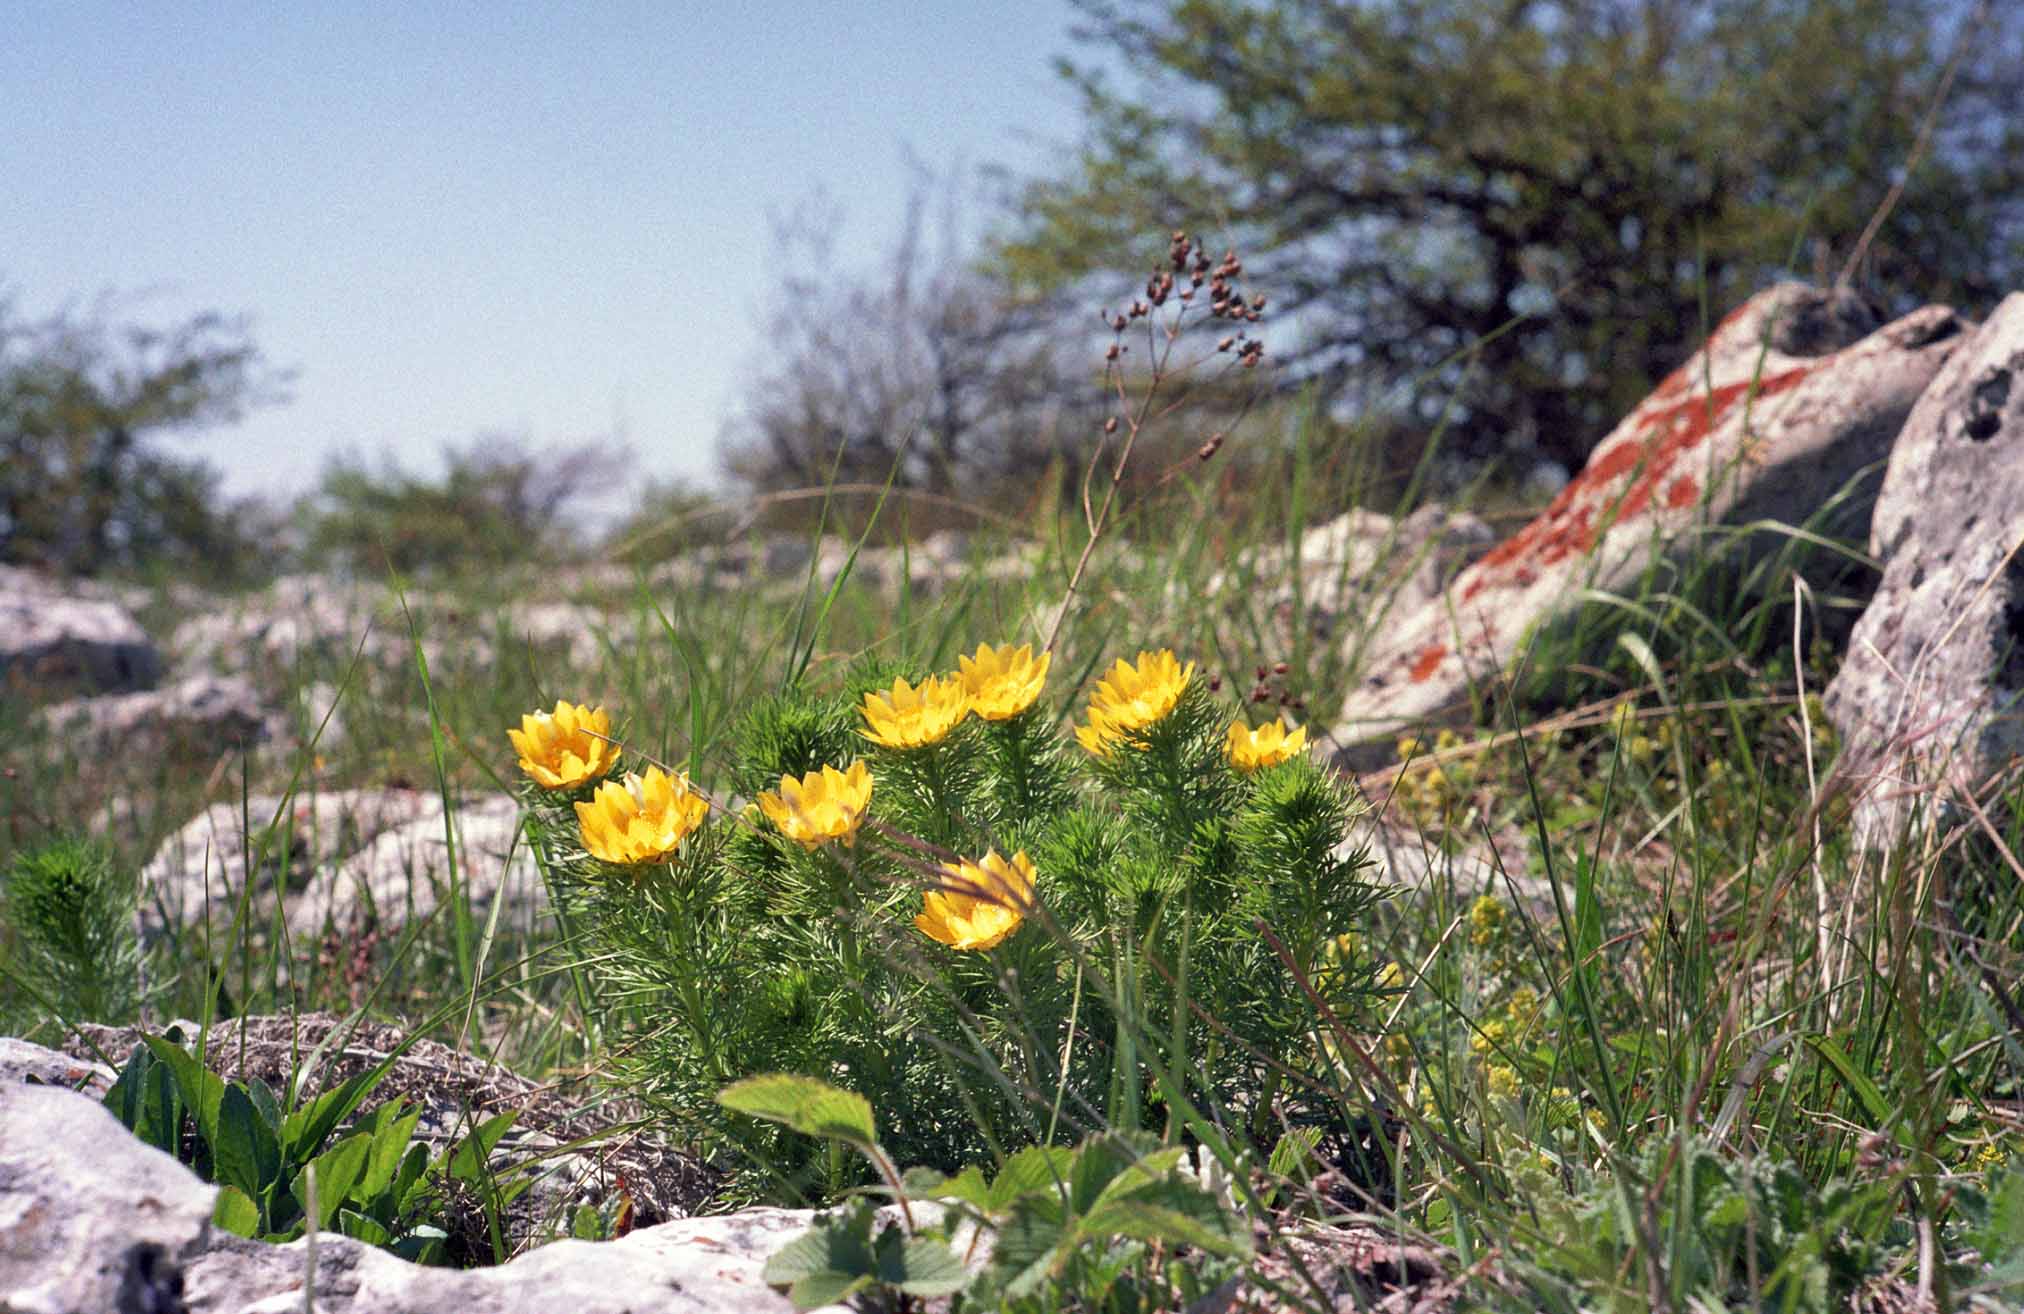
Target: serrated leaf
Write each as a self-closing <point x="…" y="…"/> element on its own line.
<point x="1023" y="1252"/>
<point x="825" y="1288"/>
<point x="835" y="1254"/>
<point x="236" y="1213"/>
<point x="808" y="1105"/>
<point x="1170" y="1211"/>
<point x="919" y="1266"/>
<point x="1036" y="1168"/>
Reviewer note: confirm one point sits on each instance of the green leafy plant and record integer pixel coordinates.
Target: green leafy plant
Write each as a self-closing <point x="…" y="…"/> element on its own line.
<point x="283" y="1171"/>
<point x="998" y="937"/>
<point x="1088" y="1222"/>
<point x="70" y="911"/>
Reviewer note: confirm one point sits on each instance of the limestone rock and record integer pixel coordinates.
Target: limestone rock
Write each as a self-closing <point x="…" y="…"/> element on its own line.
<point x="1930" y="697"/>
<point x="93" y="1220"/>
<point x="90" y="1218"/>
<point x="205" y="714"/>
<point x="1748" y="429"/>
<point x="347" y="853"/>
<point x="21" y="1061"/>
<point x="1359" y="560"/>
<point x="59" y="636"/>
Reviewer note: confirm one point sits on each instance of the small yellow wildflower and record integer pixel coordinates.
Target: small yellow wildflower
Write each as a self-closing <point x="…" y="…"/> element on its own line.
<point x="821" y="806"/>
<point x="915" y="717"/>
<point x="1250" y="750"/>
<point x="1003" y="682"/>
<point x="1486" y="921"/>
<point x="1503" y="1081"/>
<point x="984" y="902"/>
<point x="567" y="747"/>
<point x="642" y="820"/>
<point x="1134" y="696"/>
<point x="1409" y="747"/>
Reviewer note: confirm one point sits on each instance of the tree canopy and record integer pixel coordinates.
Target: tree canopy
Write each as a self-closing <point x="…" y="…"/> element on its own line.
<point x="1521" y="208"/>
<point x="85" y="484"/>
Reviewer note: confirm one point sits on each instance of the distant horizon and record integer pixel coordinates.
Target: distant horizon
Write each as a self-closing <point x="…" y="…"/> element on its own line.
<point x="526" y="223"/>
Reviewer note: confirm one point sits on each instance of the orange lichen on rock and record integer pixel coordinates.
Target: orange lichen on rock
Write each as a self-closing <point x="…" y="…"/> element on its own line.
<point x="1657" y="438"/>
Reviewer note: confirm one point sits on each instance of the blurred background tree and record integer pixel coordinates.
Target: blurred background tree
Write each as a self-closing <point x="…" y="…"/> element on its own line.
<point x="922" y="364"/>
<point x="496" y="503"/>
<point x="1520" y="207"/>
<point x="86" y="483"/>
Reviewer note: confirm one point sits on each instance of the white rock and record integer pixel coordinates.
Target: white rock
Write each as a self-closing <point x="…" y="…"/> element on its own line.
<point x="60" y="635"/>
<point x="1771" y="419"/>
<point x="1929" y="694"/>
<point x="205" y="713"/>
<point x="92" y="1220"/>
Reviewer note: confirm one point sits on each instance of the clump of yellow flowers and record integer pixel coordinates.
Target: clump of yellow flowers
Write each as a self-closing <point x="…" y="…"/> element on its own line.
<point x="836" y="917"/>
<point x="566" y="748"/>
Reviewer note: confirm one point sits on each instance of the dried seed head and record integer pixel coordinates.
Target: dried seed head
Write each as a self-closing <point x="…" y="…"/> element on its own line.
<point x="1110" y="425"/>
<point x="1280" y="668"/>
<point x="1211" y="447"/>
<point x="1113" y="353"/>
<point x="1225" y="344"/>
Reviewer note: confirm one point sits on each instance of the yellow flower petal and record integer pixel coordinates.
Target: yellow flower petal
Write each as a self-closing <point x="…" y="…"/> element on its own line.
<point x="981" y="904"/>
<point x="915" y="717"/>
<point x="821" y="806"/>
<point x="1002" y="682"/>
<point x="644" y="819"/>
<point x="1250" y="750"/>
<point x="1132" y="697"/>
<point x="566" y="748"/>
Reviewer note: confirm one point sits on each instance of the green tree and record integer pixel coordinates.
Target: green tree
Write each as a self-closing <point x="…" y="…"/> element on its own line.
<point x="495" y="503"/>
<point x="85" y="484"/>
<point x="1408" y="177"/>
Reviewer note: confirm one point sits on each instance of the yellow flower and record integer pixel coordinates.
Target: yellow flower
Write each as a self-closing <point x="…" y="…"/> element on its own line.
<point x="1268" y="745"/>
<point x="1133" y="697"/>
<point x="822" y="805"/>
<point x="567" y="747"/>
<point x="1003" y="682"/>
<point x="643" y="820"/>
<point x="1503" y="1081"/>
<point x="910" y="717"/>
<point x="981" y="903"/>
<point x="1486" y="920"/>
<point x="1099" y="736"/>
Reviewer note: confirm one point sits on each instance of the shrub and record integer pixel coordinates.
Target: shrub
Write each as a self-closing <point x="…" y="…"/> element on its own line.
<point x="70" y="912"/>
<point x="938" y="902"/>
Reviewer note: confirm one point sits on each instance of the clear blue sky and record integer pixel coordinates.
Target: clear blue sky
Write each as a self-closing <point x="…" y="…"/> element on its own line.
<point x="450" y="218"/>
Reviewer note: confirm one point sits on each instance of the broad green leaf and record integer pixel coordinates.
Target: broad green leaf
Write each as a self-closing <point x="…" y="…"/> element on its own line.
<point x="806" y="1104"/>
<point x="1024" y="1251"/>
<point x="391" y="1132"/>
<point x="244" y="1152"/>
<point x="264" y="1103"/>
<point x="1149" y="1170"/>
<point x="586" y="1224"/>
<point x="201" y="1089"/>
<point x="919" y="1266"/>
<point x="236" y="1213"/>
<point x="469" y="1162"/>
<point x="410" y="1180"/>
<point x="839" y="1241"/>
<point x="825" y="1288"/>
<point x="1172" y="1211"/>
<point x="1034" y="1169"/>
<point x="146" y="1100"/>
<point x="337" y="1172"/>
<point x="304" y="1131"/>
<point x="356" y="1225"/>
